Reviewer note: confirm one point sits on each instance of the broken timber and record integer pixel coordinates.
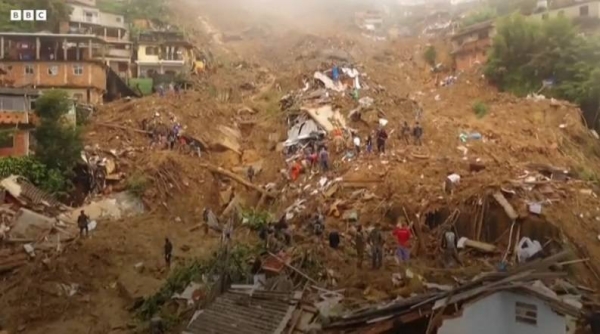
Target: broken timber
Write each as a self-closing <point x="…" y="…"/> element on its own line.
<point x="510" y="211"/>
<point x="237" y="178"/>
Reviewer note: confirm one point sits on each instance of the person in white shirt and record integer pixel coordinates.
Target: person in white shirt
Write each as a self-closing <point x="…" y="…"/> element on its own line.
<point x="357" y="144"/>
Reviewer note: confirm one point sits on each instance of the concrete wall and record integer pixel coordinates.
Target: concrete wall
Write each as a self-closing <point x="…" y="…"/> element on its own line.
<point x="570" y="12"/>
<point x="100" y="18"/>
<point x="495" y="314"/>
<point x="20" y="145"/>
<point x="466" y="60"/>
<point x="56" y="74"/>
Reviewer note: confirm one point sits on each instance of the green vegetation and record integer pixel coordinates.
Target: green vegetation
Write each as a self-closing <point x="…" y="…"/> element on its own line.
<point x="50" y="180"/>
<point x="480" y="16"/>
<point x="507" y="7"/>
<point x="136" y="9"/>
<point x="137" y="184"/>
<point x="430" y="55"/>
<point x="256" y="219"/>
<point x="525" y="53"/>
<point x="480" y="109"/>
<point x="194" y="271"/>
<point x="57" y="11"/>
<point x="58" y="142"/>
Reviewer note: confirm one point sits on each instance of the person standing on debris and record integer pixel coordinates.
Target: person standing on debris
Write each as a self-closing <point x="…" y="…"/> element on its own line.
<point x="334" y="239"/>
<point x="356" y="141"/>
<point x="282" y="230"/>
<point x="324" y="159"/>
<point x="449" y="247"/>
<point x="405" y="133"/>
<point x="403" y="235"/>
<point x="369" y="143"/>
<point x="82" y="221"/>
<point x="168" y="252"/>
<point x="318" y="225"/>
<point x="359" y="243"/>
<point x="295" y="170"/>
<point x="382" y="137"/>
<point x="418" y="134"/>
<point x="376" y="242"/>
<point x="171" y="141"/>
<point x="250" y="173"/>
<point x="335" y="74"/>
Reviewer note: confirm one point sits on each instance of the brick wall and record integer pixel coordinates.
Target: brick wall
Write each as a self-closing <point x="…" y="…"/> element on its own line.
<point x="56" y="74"/>
<point x="20" y="145"/>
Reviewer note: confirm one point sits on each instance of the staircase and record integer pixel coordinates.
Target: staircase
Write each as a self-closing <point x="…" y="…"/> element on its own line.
<point x="116" y="87"/>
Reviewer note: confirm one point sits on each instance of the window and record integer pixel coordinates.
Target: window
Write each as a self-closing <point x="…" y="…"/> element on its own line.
<point x="53" y="70"/>
<point x="28" y="69"/>
<point x="32" y="105"/>
<point x="545" y="16"/>
<point x="526" y="313"/>
<point x="77" y="69"/>
<point x="584" y="11"/>
<point x="151" y="51"/>
<point x="7" y="140"/>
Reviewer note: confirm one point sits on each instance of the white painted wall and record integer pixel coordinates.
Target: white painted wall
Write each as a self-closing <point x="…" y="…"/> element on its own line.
<point x="495" y="314"/>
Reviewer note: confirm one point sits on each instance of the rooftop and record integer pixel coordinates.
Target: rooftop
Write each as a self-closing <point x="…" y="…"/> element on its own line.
<point x="473" y="28"/>
<point x="82" y="37"/>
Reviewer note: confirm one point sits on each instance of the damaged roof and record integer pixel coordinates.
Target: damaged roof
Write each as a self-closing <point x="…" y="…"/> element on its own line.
<point x="240" y="311"/>
<point x="25" y="192"/>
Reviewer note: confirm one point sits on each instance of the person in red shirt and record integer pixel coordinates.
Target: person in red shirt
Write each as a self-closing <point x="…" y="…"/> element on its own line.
<point x="403" y="235"/>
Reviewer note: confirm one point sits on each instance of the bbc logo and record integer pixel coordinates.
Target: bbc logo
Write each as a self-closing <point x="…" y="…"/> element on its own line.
<point x="28" y="15"/>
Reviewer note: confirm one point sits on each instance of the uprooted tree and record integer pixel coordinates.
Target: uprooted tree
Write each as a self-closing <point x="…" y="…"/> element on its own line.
<point x="525" y="54"/>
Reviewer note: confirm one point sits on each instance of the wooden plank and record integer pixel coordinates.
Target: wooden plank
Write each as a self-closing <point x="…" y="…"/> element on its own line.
<point x="510" y="211"/>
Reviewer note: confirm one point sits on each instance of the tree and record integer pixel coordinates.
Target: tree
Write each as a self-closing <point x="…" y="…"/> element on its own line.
<point x="58" y="143"/>
<point x="479" y="17"/>
<point x="525" y="53"/>
<point x="137" y="9"/>
<point x="430" y="55"/>
<point x="57" y="11"/>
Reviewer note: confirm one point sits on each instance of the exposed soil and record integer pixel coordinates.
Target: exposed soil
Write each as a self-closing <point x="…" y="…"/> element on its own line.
<point x="280" y="47"/>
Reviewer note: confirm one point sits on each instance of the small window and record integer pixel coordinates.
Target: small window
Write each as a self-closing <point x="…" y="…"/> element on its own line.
<point x="53" y="70"/>
<point x="526" y="313"/>
<point x="28" y="69"/>
<point x="7" y="140"/>
<point x="32" y="105"/>
<point x="77" y="69"/>
<point x="584" y="11"/>
<point x="545" y="16"/>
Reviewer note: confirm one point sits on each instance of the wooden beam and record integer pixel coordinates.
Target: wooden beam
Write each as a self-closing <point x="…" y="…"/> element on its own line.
<point x="510" y="211"/>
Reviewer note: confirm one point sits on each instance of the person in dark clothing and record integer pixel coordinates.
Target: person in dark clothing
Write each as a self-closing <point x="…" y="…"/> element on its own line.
<point x="418" y="134"/>
<point x="171" y="140"/>
<point x="251" y="173"/>
<point x="382" y="137"/>
<point x="334" y="239"/>
<point x="594" y="320"/>
<point x="376" y="241"/>
<point x="405" y="133"/>
<point x="281" y="230"/>
<point x="82" y="222"/>
<point x="168" y="252"/>
<point x="360" y="243"/>
<point x="369" y="144"/>
<point x="318" y="225"/>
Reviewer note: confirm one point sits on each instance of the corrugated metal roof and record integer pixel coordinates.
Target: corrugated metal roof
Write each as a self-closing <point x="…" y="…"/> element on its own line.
<point x="238" y="312"/>
<point x="22" y="190"/>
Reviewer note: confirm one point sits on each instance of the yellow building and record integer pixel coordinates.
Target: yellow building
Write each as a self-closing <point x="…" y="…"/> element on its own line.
<point x="163" y="52"/>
